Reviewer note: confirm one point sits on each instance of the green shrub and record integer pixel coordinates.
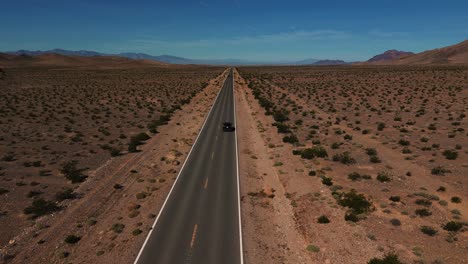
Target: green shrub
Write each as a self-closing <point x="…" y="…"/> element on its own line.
<point x="352" y="217"/>
<point x="40" y="207"/>
<point x="118" y="228"/>
<point x="422" y="212"/>
<point x="450" y="154"/>
<point x="424" y="202"/>
<point x="375" y="159"/>
<point x="456" y="199"/>
<point x="380" y="126"/>
<point x="357" y="202"/>
<point x="323" y="220"/>
<point x="344" y="158"/>
<point x="72" y="239"/>
<point x="395" y="222"/>
<point x="65" y="194"/>
<point x="371" y="151"/>
<point x="384" y="176"/>
<point x="439" y="170"/>
<point x="313" y="248"/>
<point x="290" y="139"/>
<point x="430" y="231"/>
<point x="453" y="226"/>
<point x="404" y="142"/>
<point x="316" y="151"/>
<point x="327" y="181"/>
<point x="72" y="173"/>
<point x="390" y="258"/>
<point x="394" y="198"/>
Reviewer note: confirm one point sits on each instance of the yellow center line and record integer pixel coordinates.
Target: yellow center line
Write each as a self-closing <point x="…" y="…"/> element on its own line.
<point x="212" y="155"/>
<point x="194" y="235"/>
<point x="206" y="183"/>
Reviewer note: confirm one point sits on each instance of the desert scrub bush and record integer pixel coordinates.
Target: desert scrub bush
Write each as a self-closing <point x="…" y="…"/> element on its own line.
<point x="395" y="222"/>
<point x="136" y="232"/>
<point x="40" y="207"/>
<point x="390" y="258"/>
<point x="312" y="173"/>
<point x="313" y="248"/>
<point x="384" y="176"/>
<point x="3" y="191"/>
<point x="450" y="154"/>
<point x="430" y="231"/>
<point x="65" y="194"/>
<point x="423" y="202"/>
<point x="423" y="212"/>
<point x="439" y="170"/>
<point x="316" y="151"/>
<point x="344" y="158"/>
<point x="72" y="173"/>
<point x="356" y="202"/>
<point x="375" y="159"/>
<point x="371" y="151"/>
<point x="335" y="145"/>
<point x="136" y="141"/>
<point x="354" y="176"/>
<point x="323" y="220"/>
<point x="453" y="226"/>
<point x="114" y="152"/>
<point x="327" y="181"/>
<point x="456" y="199"/>
<point x="403" y="142"/>
<point x="380" y="126"/>
<point x="72" y="239"/>
<point x="141" y="195"/>
<point x="394" y="198"/>
<point x="292" y="139"/>
<point x="118" y="228"/>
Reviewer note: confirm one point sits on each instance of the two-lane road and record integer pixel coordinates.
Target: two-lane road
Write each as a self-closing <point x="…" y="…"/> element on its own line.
<point x="200" y="219"/>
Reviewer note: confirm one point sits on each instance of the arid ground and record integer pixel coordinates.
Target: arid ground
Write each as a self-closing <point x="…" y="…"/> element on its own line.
<point x="350" y="163"/>
<point x="337" y="164"/>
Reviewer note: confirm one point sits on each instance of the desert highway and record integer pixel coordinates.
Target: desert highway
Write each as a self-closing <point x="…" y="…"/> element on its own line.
<point x="199" y="221"/>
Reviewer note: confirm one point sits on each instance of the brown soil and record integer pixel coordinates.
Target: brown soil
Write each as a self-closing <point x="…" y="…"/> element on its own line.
<point x="325" y="104"/>
<point x="119" y="200"/>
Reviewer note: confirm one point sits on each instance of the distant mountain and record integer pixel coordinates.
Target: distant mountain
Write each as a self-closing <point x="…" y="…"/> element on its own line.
<point x="330" y="62"/>
<point x="305" y="62"/>
<point x="55" y="59"/>
<point x="83" y="53"/>
<point x="172" y="59"/>
<point x="455" y="54"/>
<point x="390" y="55"/>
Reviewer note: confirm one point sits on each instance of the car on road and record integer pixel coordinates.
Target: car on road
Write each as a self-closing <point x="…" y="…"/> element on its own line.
<point x="228" y="127"/>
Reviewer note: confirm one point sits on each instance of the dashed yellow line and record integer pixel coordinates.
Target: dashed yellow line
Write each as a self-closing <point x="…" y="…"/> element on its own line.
<point x="194" y="235"/>
<point x="212" y="155"/>
<point x="206" y="183"/>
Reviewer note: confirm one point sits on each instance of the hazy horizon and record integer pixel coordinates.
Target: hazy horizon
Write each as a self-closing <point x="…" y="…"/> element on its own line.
<point x="262" y="31"/>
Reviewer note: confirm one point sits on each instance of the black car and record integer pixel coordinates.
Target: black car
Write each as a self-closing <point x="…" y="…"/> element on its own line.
<point x="228" y="127"/>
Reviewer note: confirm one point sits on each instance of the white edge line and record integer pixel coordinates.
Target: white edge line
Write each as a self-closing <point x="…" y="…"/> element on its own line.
<point x="180" y="172"/>
<point x="238" y="178"/>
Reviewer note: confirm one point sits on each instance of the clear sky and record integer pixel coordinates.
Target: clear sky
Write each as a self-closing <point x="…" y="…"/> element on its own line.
<point x="243" y="29"/>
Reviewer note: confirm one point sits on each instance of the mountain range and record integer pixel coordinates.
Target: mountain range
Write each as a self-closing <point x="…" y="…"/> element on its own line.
<point x="169" y="58"/>
<point x="454" y="54"/>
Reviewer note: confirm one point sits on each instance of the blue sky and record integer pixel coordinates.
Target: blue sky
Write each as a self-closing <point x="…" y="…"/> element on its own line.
<point x="255" y="30"/>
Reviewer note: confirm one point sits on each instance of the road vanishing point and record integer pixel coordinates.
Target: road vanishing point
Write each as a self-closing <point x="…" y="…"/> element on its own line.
<point x="199" y="221"/>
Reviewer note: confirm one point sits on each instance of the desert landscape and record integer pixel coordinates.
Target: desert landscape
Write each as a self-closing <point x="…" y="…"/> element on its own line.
<point x="234" y="132"/>
<point x="338" y="164"/>
<point x="371" y="160"/>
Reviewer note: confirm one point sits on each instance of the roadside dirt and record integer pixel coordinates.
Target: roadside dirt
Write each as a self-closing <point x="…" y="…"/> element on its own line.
<point x="119" y="200"/>
<point x="278" y="222"/>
